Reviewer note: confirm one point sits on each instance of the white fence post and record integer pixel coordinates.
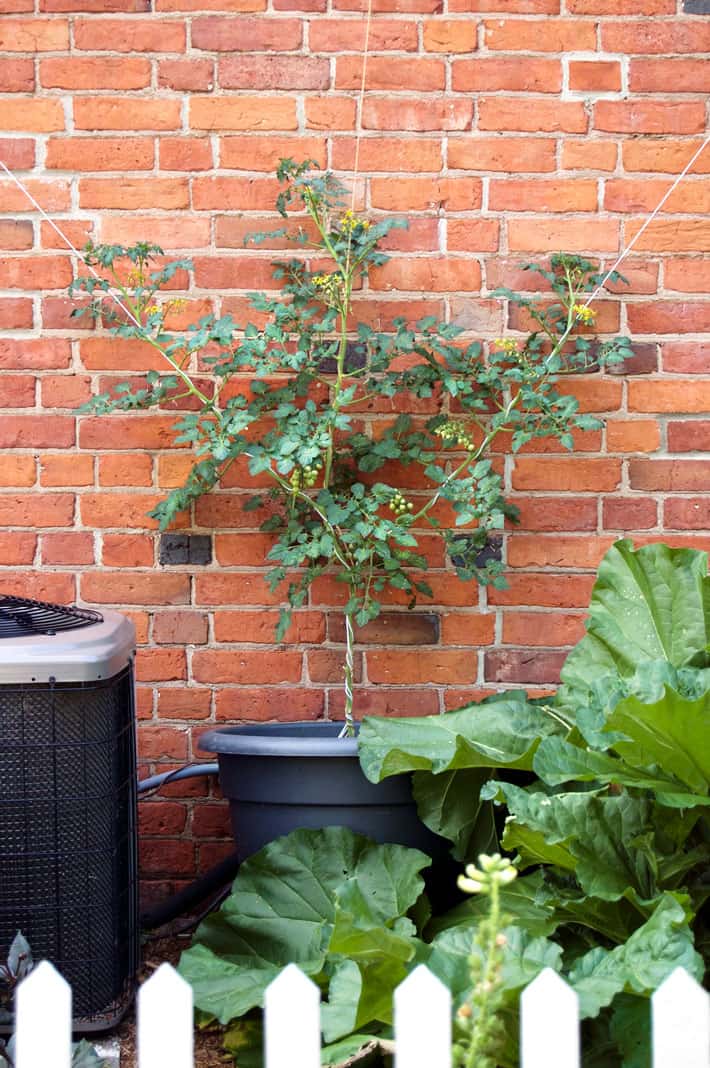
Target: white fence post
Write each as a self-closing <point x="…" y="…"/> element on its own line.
<point x="422" y="1022"/>
<point x="549" y="1023"/>
<point x="292" y="1021"/>
<point x="165" y="1021"/>
<point x="43" y="1020"/>
<point x="680" y="1011"/>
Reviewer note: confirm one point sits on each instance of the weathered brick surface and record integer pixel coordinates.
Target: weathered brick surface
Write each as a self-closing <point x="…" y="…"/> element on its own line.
<point x="506" y="130"/>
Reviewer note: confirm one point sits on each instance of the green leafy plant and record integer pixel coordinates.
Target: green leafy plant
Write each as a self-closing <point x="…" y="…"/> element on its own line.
<point x="614" y="829"/>
<point x="288" y="398"/>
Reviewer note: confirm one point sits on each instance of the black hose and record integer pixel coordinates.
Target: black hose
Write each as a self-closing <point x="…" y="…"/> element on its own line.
<point x="214" y="879"/>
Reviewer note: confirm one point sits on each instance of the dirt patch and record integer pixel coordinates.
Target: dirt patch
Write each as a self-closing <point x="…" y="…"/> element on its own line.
<point x="208" y="1044"/>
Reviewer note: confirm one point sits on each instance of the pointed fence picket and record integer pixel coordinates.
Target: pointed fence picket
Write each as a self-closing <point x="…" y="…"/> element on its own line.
<point x="422" y="1014"/>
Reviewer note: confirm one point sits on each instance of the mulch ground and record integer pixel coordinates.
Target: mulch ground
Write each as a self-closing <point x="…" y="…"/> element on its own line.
<point x="208" y="1044"/>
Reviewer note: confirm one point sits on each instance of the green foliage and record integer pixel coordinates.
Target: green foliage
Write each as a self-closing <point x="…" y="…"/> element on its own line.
<point x="334" y="500"/>
<point x="614" y="829"/>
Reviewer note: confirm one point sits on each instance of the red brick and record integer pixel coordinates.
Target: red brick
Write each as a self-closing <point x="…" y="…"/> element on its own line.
<point x="178" y="628"/>
<point x="656" y="36"/>
<point x="523" y="666"/>
<point x="669" y="317"/>
<point x="243" y="113"/>
<point x="662" y="154"/>
<point x="274" y="72"/>
<point x="330" y="113"/>
<point x="449" y="35"/>
<point x="65" y="391"/>
<point x="186" y="75"/>
<point x="472" y="235"/>
<point x="18" y="154"/>
<point x="544" y="589"/>
<point x="17" y="547"/>
<point x="519" y="74"/>
<point x="263" y="703"/>
<point x="127" y="550"/>
<point x="36" y="272"/>
<point x="184" y="703"/>
<point x="542" y="628"/>
<point x="100" y="6"/>
<point x="621" y="7"/>
<point x="629" y="195"/>
<point x="161" y="665"/>
<point x="595" y="76"/>
<point x="425" y="194"/>
<point x="139" y="587"/>
<point x="649" y="116"/>
<point x="556" y="513"/>
<point x="66" y="469"/>
<point x="36" y="431"/>
<point x="17" y="75"/>
<point x="511" y="155"/>
<point x="16" y="313"/>
<point x="395" y="73"/>
<point x="673" y="395"/>
<point x="686" y="357"/>
<point x="18" y="391"/>
<point x="175" y="857"/>
<point x="109" y="354"/>
<point x="333" y="35"/>
<point x="33" y="35"/>
<point x="32" y="115"/>
<point x="672" y="75"/>
<point x="130" y="194"/>
<point x="244" y="34"/>
<point x="129" y="35"/>
<point x="328" y="665"/>
<point x="689" y="435"/>
<point x="670" y="235"/>
<point x="467" y="628"/>
<point x="669" y="475"/>
<point x="119" y="510"/>
<point x="379" y="701"/>
<point x="100" y="154"/>
<point x="246" y="666"/>
<point x="161" y="817"/>
<point x="145" y="432"/>
<point x="579" y="551"/>
<point x="53" y="586"/>
<point x="89" y="73"/>
<point x="431" y="275"/>
<point x="52" y="195"/>
<point x="541" y="194"/>
<point x="389" y="154"/>
<point x="687" y="513"/>
<point x="36" y="509"/>
<point x="134" y="113"/>
<point x="548" y="35"/>
<point x="231" y="589"/>
<point x="687" y="275"/>
<point x="125" y="469"/>
<point x="68" y="548"/>
<point x="633" y="435"/>
<point x="629" y="513"/>
<point x="574" y="235"/>
<point x="590" y="154"/>
<point x="547" y="116"/>
<point x="16" y="234"/>
<point x="417" y="115"/>
<point x="566" y="474"/>
<point x="78" y="231"/>
<point x="440" y="666"/>
<point x="260" y="627"/>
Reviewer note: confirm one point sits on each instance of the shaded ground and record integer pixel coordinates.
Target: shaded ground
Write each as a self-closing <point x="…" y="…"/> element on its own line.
<point x="208" y="1045"/>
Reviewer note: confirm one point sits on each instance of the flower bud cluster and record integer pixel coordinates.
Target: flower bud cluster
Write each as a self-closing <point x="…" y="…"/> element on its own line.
<point x="454" y="433"/>
<point x="492" y="869"/>
<point x="583" y="313"/>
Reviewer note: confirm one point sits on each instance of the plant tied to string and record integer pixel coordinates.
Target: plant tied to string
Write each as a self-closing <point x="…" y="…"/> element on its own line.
<point x="317" y="404"/>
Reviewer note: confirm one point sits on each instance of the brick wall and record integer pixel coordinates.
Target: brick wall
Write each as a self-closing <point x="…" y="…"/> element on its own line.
<point x="505" y="129"/>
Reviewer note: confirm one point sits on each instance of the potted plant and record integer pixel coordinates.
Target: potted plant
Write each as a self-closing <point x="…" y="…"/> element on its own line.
<point x="291" y="396"/>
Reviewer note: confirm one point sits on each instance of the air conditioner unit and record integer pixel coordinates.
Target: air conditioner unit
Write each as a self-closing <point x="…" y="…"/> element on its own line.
<point x="68" y="849"/>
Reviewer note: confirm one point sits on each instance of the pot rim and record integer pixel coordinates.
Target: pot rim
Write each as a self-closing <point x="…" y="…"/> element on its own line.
<point x="308" y="738"/>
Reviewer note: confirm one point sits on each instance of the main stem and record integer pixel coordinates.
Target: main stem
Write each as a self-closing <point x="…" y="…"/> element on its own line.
<point x="348" y="730"/>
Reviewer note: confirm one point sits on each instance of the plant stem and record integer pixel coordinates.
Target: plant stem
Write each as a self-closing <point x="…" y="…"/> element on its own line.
<point x="479" y="1034"/>
<point x="348" y="730"/>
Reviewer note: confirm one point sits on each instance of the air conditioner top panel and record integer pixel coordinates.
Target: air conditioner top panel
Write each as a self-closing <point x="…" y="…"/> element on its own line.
<point x="98" y="651"/>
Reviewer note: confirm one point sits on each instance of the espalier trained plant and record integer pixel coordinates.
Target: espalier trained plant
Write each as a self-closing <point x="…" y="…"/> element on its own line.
<point x="334" y="503"/>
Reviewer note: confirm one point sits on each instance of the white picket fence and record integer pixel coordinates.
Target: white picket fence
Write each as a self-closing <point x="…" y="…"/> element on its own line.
<point x="422" y="1022"/>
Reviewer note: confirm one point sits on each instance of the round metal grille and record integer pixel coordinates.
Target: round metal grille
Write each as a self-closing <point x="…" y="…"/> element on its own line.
<point x="20" y="617"/>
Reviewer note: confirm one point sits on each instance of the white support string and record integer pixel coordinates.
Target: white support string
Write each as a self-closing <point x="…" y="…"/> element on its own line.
<point x="647" y="223"/>
<point x="80" y="255"/>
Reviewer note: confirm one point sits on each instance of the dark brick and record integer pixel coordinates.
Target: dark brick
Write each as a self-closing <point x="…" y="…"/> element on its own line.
<point x="186" y="549"/>
<point x="643" y="362"/>
<point x="390" y="628"/>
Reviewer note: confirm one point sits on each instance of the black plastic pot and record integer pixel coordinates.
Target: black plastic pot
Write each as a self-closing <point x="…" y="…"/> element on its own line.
<point x="281" y="776"/>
